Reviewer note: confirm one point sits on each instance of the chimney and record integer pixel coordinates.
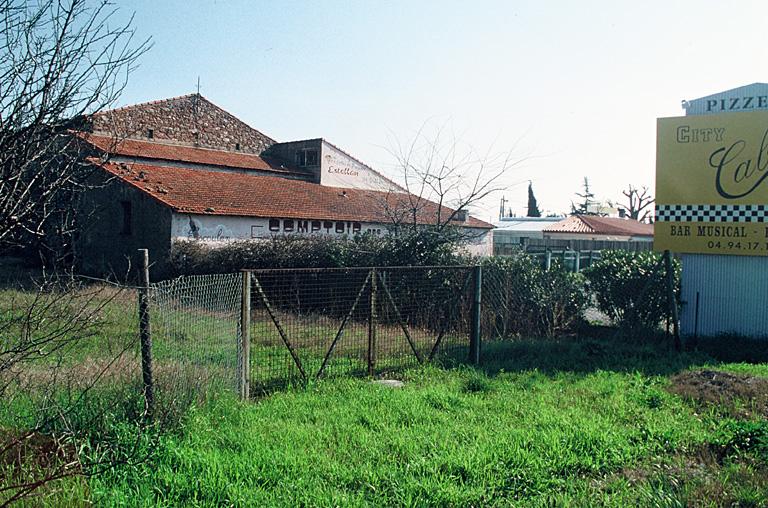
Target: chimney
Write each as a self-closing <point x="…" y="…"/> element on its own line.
<point x="622" y="213"/>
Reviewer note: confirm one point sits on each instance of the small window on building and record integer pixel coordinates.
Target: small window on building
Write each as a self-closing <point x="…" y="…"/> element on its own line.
<point x="274" y="224"/>
<point x="340" y="228"/>
<point x="316" y="225"/>
<point x="237" y="146"/>
<point x="301" y="158"/>
<point x="150" y="133"/>
<point x="356" y="227"/>
<point x="302" y="226"/>
<point x="127" y="218"/>
<point x="311" y="158"/>
<point x="288" y="225"/>
<point x="328" y="225"/>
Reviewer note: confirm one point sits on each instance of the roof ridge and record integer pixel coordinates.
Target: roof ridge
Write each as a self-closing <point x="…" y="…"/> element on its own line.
<point x="185" y="96"/>
<point x="148" y="103"/>
<point x="209" y="101"/>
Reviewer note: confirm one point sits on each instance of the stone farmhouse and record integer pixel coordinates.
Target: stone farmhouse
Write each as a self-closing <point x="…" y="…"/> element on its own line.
<point x="183" y="169"/>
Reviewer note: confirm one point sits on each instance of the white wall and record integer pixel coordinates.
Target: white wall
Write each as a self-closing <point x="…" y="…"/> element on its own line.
<point x="224" y="228"/>
<point x="338" y="169"/>
<point x="480" y="241"/>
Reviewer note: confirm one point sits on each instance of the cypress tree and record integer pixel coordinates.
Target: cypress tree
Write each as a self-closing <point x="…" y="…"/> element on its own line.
<point x="533" y="206"/>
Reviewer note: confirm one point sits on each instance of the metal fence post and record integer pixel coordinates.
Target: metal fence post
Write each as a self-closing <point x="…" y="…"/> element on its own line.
<point x="672" y="301"/>
<point x="145" y="334"/>
<point x="577" y="263"/>
<point x="372" y="326"/>
<point x="474" y="336"/>
<point x="548" y="262"/>
<point x="244" y="358"/>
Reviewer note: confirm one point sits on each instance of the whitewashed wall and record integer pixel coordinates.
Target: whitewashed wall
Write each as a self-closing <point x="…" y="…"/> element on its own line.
<point x="338" y="169"/>
<point x="224" y="228"/>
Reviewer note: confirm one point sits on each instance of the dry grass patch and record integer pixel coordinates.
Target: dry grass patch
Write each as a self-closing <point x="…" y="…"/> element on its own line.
<point x="741" y="395"/>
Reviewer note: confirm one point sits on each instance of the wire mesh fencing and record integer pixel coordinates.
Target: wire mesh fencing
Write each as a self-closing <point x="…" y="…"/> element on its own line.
<point x="263" y="329"/>
<point x="312" y="323"/>
<point x="194" y="323"/>
<point x="523" y="299"/>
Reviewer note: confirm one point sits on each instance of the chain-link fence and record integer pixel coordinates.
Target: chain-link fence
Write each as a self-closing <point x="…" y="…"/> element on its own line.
<point x="261" y="329"/>
<point x="312" y="323"/>
<point x="194" y="324"/>
<point x="301" y="324"/>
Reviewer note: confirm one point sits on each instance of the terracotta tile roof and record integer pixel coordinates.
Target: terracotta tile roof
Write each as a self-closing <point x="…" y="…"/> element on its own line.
<point x="190" y="154"/>
<point x="213" y="192"/>
<point x="593" y="224"/>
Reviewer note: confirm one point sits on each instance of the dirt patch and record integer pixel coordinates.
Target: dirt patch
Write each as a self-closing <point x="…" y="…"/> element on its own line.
<point x="742" y="395"/>
<point x="703" y="477"/>
<point x="36" y="454"/>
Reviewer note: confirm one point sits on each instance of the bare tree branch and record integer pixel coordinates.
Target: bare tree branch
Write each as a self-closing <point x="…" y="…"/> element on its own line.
<point x="443" y="179"/>
<point x="638" y="203"/>
<point x="59" y="61"/>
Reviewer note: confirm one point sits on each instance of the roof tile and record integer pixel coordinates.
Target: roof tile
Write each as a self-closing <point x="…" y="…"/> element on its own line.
<point x="200" y="191"/>
<point x="189" y="154"/>
<point x="593" y="224"/>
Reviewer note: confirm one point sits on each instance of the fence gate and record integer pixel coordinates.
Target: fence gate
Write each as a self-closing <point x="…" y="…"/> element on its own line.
<point x="309" y="323"/>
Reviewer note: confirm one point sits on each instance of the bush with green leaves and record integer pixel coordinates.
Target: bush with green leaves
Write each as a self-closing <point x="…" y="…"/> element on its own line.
<point x="631" y="287"/>
<point x="408" y="247"/>
<point x="521" y="298"/>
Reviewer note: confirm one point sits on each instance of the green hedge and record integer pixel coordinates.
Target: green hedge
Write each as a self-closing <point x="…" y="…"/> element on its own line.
<point x="631" y="287"/>
<point x="521" y="298"/>
<point x="409" y="248"/>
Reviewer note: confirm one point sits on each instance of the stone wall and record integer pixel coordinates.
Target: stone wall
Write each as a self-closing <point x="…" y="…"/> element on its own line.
<point x="105" y="248"/>
<point x="190" y="120"/>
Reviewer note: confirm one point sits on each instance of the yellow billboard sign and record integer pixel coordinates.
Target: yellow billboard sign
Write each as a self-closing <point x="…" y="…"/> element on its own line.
<point x="712" y="184"/>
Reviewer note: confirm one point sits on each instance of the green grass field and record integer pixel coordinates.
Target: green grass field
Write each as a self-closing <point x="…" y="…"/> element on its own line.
<point x="569" y="422"/>
<point x="604" y="431"/>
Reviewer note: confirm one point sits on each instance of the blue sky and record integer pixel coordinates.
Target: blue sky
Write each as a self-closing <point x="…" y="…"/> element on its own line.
<point x="573" y="87"/>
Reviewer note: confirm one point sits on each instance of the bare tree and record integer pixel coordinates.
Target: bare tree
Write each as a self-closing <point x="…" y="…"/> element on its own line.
<point x="51" y="387"/>
<point x="442" y="181"/>
<point x="638" y="203"/>
<point x="59" y="60"/>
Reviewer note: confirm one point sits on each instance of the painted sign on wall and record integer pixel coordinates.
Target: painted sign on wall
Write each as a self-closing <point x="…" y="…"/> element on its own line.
<point x="712" y="184"/>
<point x="340" y="170"/>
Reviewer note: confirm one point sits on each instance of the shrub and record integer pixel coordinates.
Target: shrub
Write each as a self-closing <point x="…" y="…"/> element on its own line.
<point x="522" y="298"/>
<point x="408" y="248"/>
<point x="631" y="287"/>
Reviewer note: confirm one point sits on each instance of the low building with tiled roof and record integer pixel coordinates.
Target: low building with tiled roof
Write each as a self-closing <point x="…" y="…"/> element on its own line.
<point x="183" y="169"/>
<point x="596" y="228"/>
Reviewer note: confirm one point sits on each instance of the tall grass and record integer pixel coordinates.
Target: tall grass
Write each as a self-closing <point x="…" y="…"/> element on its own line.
<point x="602" y="431"/>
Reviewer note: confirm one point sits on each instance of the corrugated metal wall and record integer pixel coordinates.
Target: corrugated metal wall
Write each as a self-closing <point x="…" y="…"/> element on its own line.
<point x="744" y="98"/>
<point x="732" y="290"/>
<point x="732" y="295"/>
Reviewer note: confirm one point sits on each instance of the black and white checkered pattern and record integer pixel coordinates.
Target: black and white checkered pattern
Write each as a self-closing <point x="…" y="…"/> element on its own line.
<point x="711" y="213"/>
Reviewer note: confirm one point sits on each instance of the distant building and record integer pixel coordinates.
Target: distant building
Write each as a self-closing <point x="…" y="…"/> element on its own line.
<point x="183" y="169"/>
<point x="576" y="232"/>
<point x="515" y="233"/>
<point x="596" y="228"/>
